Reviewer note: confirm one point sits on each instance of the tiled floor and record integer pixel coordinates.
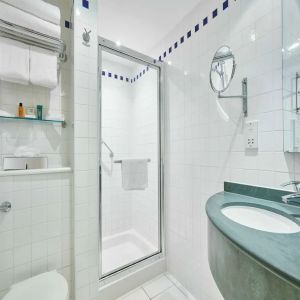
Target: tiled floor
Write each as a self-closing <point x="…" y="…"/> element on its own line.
<point x="163" y="287"/>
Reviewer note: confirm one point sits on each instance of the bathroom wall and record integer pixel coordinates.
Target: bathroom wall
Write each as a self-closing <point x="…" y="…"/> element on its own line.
<point x="291" y="51"/>
<point x="36" y="235"/>
<point x="116" y="107"/>
<point x="144" y="144"/>
<point x="86" y="149"/>
<point x="50" y="140"/>
<point x="203" y="150"/>
<point x="130" y="127"/>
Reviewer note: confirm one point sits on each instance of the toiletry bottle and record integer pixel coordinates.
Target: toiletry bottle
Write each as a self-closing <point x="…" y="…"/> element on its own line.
<point x="21" y="111"/>
<point x="39" y="112"/>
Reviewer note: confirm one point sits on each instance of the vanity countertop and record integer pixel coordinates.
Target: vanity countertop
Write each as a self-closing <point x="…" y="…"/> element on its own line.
<point x="278" y="252"/>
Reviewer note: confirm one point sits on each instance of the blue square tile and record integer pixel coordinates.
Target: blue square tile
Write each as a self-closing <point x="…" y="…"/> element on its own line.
<point x="170" y="50"/>
<point x="205" y="21"/>
<point x="85" y="4"/>
<point x="159" y="58"/>
<point x="182" y="39"/>
<point x="103" y="73"/>
<point x="141" y="74"/>
<point x="175" y="45"/>
<point x="189" y="34"/>
<point x="116" y="76"/>
<point x="67" y="24"/>
<point x="215" y="13"/>
<point x="144" y="71"/>
<point x="165" y="54"/>
<point x="197" y="28"/>
<point x="109" y="74"/>
<point x="127" y="79"/>
<point x="121" y="78"/>
<point x="225" y="4"/>
<point x="131" y="80"/>
<point x="154" y="61"/>
<point x="147" y="68"/>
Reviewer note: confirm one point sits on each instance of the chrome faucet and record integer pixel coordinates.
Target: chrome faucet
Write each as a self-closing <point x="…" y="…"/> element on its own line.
<point x="295" y="197"/>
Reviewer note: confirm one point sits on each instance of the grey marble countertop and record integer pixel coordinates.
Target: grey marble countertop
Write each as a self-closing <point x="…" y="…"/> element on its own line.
<point x="278" y="252"/>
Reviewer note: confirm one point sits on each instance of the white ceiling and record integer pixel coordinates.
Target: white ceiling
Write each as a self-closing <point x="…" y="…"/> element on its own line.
<point x="141" y="24"/>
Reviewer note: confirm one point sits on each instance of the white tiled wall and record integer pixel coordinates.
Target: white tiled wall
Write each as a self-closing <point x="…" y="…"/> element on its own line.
<point x="130" y="127"/>
<point x="291" y="13"/>
<point x="86" y="149"/>
<point x="50" y="140"/>
<point x="36" y="235"/>
<point x="144" y="144"/>
<point x="116" y="106"/>
<point x="202" y="149"/>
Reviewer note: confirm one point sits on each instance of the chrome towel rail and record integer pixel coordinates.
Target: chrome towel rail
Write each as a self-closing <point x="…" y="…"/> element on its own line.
<point x="120" y="161"/>
<point x="34" y="38"/>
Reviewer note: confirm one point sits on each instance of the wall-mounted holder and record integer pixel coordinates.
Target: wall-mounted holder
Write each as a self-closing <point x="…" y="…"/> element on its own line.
<point x="244" y="96"/>
<point x="297" y="92"/>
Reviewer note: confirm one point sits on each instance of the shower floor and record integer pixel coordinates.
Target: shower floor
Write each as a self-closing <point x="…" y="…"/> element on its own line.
<point x="124" y="248"/>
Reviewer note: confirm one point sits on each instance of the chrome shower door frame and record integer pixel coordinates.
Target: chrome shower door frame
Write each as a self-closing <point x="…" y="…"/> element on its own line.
<point x="109" y="46"/>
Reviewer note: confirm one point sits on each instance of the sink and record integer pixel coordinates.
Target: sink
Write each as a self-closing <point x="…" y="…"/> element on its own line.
<point x="260" y="219"/>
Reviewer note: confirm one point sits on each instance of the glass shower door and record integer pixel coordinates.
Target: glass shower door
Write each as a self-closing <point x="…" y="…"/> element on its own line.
<point x="130" y="204"/>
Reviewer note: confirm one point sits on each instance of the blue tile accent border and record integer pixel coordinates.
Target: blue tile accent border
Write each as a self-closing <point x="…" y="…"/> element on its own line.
<point x="214" y="14"/>
<point x="170" y="49"/>
<point x="85" y="4"/>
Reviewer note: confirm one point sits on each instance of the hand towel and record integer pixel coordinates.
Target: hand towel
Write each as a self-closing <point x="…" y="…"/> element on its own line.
<point x="14" y="61"/>
<point x="134" y="174"/>
<point x="43" y="68"/>
<point x="38" y="8"/>
<point x="16" y="16"/>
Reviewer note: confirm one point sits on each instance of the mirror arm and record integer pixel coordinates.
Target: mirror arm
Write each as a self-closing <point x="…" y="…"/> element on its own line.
<point x="244" y="97"/>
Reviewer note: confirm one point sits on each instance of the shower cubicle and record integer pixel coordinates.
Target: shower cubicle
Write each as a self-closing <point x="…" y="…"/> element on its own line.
<point x="131" y="159"/>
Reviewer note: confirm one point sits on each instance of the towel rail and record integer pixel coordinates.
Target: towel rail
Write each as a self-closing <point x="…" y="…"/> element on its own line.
<point x="120" y="161"/>
<point x="34" y="38"/>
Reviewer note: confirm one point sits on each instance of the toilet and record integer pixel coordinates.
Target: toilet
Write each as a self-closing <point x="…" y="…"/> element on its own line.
<point x="46" y="286"/>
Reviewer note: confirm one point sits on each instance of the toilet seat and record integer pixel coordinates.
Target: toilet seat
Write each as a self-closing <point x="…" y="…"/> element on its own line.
<point x="46" y="286"/>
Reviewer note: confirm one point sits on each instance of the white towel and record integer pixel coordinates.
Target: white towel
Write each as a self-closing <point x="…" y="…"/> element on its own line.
<point x="38" y="8"/>
<point x="14" y="61"/>
<point x="134" y="174"/>
<point x="14" y="15"/>
<point x="43" y="67"/>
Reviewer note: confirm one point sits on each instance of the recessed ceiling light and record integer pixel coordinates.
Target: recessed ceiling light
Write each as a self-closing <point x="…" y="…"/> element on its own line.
<point x="169" y="63"/>
<point x="77" y="12"/>
<point x="118" y="43"/>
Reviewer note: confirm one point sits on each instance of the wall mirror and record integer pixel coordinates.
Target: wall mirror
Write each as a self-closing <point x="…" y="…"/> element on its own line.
<point x="291" y="75"/>
<point x="222" y="69"/>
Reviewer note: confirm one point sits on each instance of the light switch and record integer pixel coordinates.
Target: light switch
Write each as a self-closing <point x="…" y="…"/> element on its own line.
<point x="251" y="135"/>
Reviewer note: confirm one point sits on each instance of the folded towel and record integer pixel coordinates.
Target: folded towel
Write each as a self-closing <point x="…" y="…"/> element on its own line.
<point x="43" y="67"/>
<point x="134" y="174"/>
<point x="38" y="8"/>
<point x="14" y="15"/>
<point x="14" y="61"/>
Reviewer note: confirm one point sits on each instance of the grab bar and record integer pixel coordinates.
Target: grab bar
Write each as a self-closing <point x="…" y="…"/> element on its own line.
<point x="120" y="161"/>
<point x="111" y="153"/>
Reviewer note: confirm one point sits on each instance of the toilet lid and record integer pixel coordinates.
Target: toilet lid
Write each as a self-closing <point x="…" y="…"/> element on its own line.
<point x="46" y="286"/>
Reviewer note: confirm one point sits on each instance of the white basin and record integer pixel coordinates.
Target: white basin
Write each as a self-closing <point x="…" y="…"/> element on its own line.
<point x="260" y="219"/>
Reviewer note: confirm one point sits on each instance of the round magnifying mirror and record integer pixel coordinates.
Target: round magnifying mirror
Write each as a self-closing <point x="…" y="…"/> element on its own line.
<point x="222" y="69"/>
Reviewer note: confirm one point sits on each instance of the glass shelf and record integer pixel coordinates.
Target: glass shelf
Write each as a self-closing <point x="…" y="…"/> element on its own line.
<point x="63" y="123"/>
